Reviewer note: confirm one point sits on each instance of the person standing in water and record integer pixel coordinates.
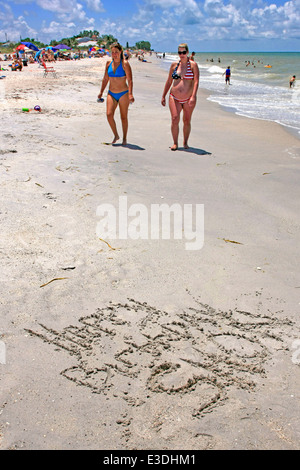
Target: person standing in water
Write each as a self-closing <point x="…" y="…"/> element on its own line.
<point x="119" y="76"/>
<point x="292" y="81"/>
<point x="183" y="79"/>
<point x="227" y="74"/>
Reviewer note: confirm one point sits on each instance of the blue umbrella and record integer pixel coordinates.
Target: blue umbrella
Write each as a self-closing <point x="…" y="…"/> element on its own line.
<point x="30" y="46"/>
<point x="62" y="46"/>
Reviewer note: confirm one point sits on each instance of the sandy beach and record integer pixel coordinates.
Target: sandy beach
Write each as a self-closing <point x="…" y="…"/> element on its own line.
<point x="143" y="344"/>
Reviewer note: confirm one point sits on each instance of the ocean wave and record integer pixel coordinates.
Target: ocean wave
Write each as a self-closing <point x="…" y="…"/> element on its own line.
<point x="215" y="69"/>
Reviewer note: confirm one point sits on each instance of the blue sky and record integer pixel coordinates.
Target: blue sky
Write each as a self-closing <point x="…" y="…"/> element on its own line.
<point x="206" y="25"/>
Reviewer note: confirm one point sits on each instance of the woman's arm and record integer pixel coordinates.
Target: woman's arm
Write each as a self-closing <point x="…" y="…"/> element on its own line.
<point x="168" y="84"/>
<point x="129" y="78"/>
<point x="195" y="69"/>
<point x="105" y="81"/>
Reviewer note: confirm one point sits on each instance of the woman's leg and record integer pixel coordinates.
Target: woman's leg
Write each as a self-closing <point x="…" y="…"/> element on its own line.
<point x="187" y="116"/>
<point x="124" y="104"/>
<point x="175" y="109"/>
<point x="111" y="106"/>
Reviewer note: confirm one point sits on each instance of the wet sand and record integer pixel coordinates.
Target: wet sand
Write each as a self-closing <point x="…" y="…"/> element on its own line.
<point x="142" y="344"/>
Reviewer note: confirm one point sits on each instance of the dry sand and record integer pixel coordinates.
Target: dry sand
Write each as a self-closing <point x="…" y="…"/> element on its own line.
<point x="149" y="345"/>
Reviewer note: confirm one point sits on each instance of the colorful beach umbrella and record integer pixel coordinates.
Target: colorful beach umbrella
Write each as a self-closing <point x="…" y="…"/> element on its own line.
<point x="31" y="46"/>
<point x="21" y="47"/>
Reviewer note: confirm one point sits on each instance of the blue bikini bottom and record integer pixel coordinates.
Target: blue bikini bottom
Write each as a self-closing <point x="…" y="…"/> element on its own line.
<point x="117" y="96"/>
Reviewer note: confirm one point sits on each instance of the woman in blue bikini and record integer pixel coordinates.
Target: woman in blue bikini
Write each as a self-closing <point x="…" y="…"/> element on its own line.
<point x="119" y="75"/>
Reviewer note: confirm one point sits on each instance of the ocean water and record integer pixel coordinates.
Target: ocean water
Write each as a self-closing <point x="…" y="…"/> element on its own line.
<point x="256" y="91"/>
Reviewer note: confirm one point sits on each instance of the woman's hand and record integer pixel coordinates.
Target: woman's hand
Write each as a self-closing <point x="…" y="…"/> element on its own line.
<point x="163" y="101"/>
<point x="192" y="101"/>
<point x="131" y="99"/>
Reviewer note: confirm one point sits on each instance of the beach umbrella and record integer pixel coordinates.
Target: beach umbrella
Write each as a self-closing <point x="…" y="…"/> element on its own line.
<point x="21" y="47"/>
<point x="30" y="45"/>
<point x="61" y="46"/>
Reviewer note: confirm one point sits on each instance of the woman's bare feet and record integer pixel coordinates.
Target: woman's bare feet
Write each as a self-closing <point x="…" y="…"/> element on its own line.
<point x="174" y="147"/>
<point x="115" y="139"/>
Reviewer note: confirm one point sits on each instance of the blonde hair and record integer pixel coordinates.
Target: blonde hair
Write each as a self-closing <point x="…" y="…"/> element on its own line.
<point x="184" y="45"/>
<point x="117" y="45"/>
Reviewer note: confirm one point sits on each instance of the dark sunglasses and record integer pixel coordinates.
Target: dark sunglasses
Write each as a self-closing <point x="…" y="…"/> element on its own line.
<point x="182" y="52"/>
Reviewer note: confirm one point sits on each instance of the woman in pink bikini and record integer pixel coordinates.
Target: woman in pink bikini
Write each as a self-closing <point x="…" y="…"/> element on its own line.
<point x="184" y="79"/>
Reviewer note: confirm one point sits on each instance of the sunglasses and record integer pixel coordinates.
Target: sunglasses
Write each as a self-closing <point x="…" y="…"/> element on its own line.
<point x="182" y="52"/>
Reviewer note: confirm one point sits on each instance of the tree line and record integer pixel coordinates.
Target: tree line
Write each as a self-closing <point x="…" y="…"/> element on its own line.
<point x="105" y="40"/>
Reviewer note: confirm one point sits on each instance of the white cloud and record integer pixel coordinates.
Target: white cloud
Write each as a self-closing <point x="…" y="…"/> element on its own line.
<point x="162" y="20"/>
<point x="12" y="27"/>
<point x="95" y="5"/>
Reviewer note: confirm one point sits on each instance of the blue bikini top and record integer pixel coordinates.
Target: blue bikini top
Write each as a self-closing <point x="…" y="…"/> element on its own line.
<point x="119" y="73"/>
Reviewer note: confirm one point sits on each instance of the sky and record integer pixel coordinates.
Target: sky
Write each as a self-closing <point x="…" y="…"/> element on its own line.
<point x="206" y="25"/>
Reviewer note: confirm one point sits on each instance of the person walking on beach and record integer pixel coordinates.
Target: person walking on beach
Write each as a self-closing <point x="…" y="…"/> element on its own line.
<point x="227" y="74"/>
<point x="119" y="75"/>
<point x="183" y="79"/>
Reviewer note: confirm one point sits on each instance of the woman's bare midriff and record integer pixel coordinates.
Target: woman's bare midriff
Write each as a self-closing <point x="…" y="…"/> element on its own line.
<point x="118" y="84"/>
<point x="182" y="89"/>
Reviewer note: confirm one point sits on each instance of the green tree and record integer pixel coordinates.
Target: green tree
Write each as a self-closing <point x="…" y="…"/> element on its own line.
<point x="145" y="45"/>
<point x="34" y="41"/>
<point x="88" y="33"/>
<point x="106" y="40"/>
<point x="71" y="42"/>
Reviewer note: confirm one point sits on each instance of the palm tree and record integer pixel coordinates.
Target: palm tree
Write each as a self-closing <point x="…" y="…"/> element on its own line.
<point x="107" y="40"/>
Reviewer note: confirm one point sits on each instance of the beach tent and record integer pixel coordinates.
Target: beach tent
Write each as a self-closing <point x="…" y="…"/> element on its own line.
<point x="30" y="45"/>
<point x="60" y="47"/>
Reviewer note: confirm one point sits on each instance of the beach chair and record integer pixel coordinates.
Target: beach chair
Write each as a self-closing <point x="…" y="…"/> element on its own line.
<point x="49" y="70"/>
